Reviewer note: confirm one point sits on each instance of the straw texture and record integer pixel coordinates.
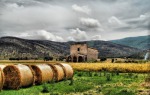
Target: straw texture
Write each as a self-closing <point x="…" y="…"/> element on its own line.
<point x="67" y="69"/>
<point x="43" y="73"/>
<point x="17" y="76"/>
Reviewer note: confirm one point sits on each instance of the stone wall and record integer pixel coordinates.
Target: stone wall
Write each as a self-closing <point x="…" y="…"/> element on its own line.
<point x="81" y="53"/>
<point x="78" y="49"/>
<point x="92" y="54"/>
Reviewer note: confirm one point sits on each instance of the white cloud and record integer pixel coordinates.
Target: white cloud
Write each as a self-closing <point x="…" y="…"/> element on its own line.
<point x="17" y="17"/>
<point x="41" y="35"/>
<point x="96" y="37"/>
<point x="60" y="39"/>
<point x="78" y="35"/>
<point x="142" y="16"/>
<point x="115" y="22"/>
<point x="70" y="38"/>
<point x="90" y="22"/>
<point x="81" y="9"/>
<point x="36" y="16"/>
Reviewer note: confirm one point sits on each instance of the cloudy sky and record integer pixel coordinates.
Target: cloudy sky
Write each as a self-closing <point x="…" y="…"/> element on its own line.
<point x="74" y="20"/>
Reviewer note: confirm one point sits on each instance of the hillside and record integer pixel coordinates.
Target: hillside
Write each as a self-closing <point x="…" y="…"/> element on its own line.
<point x="141" y="42"/>
<point x="17" y="47"/>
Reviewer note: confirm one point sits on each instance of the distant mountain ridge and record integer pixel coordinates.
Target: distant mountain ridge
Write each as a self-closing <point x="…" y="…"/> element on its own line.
<point x="17" y="47"/>
<point x="141" y="42"/>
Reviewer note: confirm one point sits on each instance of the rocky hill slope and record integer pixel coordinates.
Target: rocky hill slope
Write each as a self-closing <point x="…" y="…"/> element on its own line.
<point x="17" y="47"/>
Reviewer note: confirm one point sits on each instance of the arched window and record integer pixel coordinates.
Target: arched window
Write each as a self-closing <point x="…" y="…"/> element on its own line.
<point x="78" y="49"/>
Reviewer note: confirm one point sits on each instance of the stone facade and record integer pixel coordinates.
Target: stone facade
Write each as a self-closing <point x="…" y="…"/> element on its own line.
<point x="82" y="53"/>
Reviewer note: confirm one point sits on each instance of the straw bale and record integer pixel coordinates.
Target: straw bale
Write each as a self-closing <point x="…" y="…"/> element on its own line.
<point x="2" y="66"/>
<point x="54" y="71"/>
<point x="43" y="73"/>
<point x="17" y="76"/>
<point x="1" y="79"/>
<point x="58" y="72"/>
<point x="67" y="69"/>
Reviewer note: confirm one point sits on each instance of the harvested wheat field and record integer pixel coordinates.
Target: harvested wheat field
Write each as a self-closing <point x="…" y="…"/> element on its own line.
<point x="113" y="67"/>
<point x="43" y="73"/>
<point x="17" y="76"/>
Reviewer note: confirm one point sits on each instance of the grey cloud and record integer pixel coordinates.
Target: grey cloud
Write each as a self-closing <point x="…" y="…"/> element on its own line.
<point x="41" y="34"/>
<point x="112" y="17"/>
<point x="35" y="17"/>
<point x="96" y="37"/>
<point x="78" y="35"/>
<point x="90" y="22"/>
<point x="81" y="9"/>
<point x="139" y="23"/>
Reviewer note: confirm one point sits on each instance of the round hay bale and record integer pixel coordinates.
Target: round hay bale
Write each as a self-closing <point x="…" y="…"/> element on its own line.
<point x="58" y="72"/>
<point x="43" y="73"/>
<point x="54" y="71"/>
<point x="67" y="69"/>
<point x="1" y="79"/>
<point x="2" y="66"/>
<point x="17" y="76"/>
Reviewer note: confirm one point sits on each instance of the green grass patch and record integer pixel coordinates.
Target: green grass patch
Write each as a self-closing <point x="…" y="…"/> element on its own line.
<point x="83" y="82"/>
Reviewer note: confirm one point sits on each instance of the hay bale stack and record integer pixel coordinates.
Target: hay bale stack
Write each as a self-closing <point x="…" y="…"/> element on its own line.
<point x="58" y="72"/>
<point x="17" y="76"/>
<point x="67" y="69"/>
<point x="43" y="73"/>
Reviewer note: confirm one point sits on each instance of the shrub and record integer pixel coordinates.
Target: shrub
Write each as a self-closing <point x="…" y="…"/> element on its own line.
<point x="130" y="75"/>
<point x="45" y="88"/>
<point x="108" y="77"/>
<point x="61" y="58"/>
<point x="48" y="58"/>
<point x="90" y="74"/>
<point x="71" y="82"/>
<point x="79" y="74"/>
<point x="103" y="59"/>
<point x="95" y="74"/>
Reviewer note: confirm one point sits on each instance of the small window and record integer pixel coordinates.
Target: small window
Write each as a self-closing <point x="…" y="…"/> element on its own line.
<point x="78" y="49"/>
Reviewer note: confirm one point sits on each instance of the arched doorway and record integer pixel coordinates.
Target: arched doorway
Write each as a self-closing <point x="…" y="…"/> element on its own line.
<point x="68" y="59"/>
<point x="80" y="59"/>
<point x="85" y="58"/>
<point x="74" y="59"/>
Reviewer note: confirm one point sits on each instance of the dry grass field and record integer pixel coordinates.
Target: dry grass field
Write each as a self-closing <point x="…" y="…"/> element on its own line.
<point x="113" y="67"/>
<point x="98" y="66"/>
